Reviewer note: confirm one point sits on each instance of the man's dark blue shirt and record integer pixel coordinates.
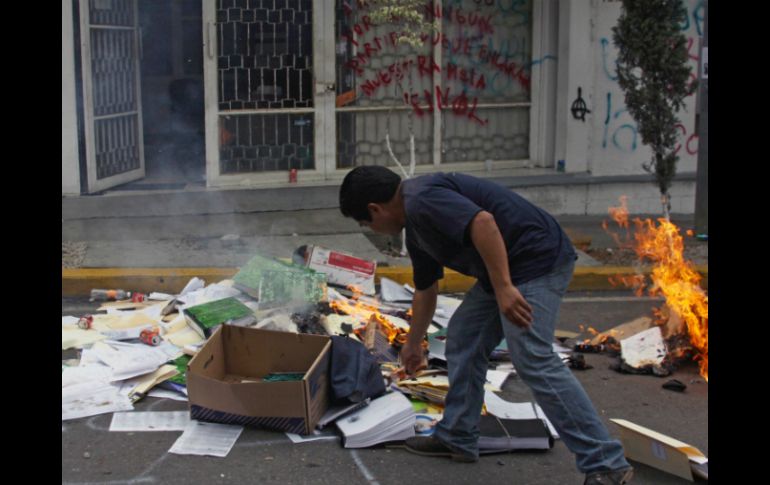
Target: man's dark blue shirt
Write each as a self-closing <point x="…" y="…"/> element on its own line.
<point x="439" y="208"/>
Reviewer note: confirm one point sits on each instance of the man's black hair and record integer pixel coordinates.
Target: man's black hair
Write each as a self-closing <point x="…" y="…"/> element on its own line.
<point x="365" y="185"/>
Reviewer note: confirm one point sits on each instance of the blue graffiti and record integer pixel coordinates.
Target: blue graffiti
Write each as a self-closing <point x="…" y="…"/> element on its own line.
<point x="697" y="15"/>
<point x="626" y="126"/>
<point x="605" y="54"/>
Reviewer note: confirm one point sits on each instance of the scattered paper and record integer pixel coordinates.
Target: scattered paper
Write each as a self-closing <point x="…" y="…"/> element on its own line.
<point x="69" y="320"/>
<point x="210" y="439"/>
<point x="516" y="410"/>
<point x="78" y="338"/>
<point x="496" y="379"/>
<point x="90" y="399"/>
<point x="644" y="348"/>
<point x="328" y="434"/>
<point x="392" y="291"/>
<point x="129" y="360"/>
<point x="166" y="394"/>
<point x="192" y="285"/>
<point x="150" y="421"/>
<point x="138" y="386"/>
<point x="125" y="334"/>
<point x="160" y="296"/>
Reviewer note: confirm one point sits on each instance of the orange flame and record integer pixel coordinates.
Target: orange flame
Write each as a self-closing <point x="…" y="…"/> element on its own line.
<point x="672" y="276"/>
<point x="364" y="312"/>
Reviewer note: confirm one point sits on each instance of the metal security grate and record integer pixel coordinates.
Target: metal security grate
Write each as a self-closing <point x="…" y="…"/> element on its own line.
<point x="265" y="56"/>
<point x="256" y="143"/>
<point x="361" y="139"/>
<point x="113" y="71"/>
<point x="111" y="12"/>
<point x="117" y="146"/>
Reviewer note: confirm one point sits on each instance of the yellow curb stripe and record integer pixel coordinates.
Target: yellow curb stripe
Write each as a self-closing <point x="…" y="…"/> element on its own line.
<point x="80" y="282"/>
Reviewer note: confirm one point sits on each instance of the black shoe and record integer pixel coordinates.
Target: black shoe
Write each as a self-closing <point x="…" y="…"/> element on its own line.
<point x="430" y="446"/>
<point x="610" y="477"/>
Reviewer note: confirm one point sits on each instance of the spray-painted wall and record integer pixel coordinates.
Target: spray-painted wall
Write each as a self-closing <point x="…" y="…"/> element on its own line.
<point x="615" y="145"/>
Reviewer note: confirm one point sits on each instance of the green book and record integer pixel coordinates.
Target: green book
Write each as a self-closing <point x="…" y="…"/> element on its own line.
<point x="206" y="317"/>
<point x="181" y="366"/>
<point x="273" y="282"/>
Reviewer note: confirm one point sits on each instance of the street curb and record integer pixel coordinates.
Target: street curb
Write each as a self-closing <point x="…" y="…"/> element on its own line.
<point x="78" y="282"/>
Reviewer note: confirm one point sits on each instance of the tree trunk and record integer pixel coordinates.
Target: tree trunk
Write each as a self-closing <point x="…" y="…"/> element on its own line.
<point x="665" y="200"/>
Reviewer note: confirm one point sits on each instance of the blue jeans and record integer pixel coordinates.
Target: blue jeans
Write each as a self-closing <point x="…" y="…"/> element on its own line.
<point x="476" y="328"/>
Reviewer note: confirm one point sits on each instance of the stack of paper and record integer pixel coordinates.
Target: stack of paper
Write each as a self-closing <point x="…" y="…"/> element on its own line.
<point x="387" y="418"/>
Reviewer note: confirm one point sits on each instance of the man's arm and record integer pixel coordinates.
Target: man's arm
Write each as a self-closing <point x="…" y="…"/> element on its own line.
<point x="423" y="308"/>
<point x="489" y="243"/>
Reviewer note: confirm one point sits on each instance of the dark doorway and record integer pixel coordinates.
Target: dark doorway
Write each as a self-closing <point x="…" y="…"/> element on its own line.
<point x="172" y="93"/>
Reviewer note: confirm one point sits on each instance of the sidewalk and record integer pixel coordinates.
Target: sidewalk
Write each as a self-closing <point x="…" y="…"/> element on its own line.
<point x="162" y="254"/>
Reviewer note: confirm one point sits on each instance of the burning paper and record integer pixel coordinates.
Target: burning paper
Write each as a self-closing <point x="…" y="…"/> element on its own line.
<point x="643" y="349"/>
<point x="672" y="276"/>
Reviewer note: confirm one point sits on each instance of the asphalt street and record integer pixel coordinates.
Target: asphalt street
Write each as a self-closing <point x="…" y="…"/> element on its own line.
<point x="93" y="454"/>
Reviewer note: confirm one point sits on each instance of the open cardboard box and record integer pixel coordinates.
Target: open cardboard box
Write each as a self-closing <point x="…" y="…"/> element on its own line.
<point x="225" y="379"/>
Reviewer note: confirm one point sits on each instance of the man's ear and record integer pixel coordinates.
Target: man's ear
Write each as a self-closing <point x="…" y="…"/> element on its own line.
<point x="374" y="208"/>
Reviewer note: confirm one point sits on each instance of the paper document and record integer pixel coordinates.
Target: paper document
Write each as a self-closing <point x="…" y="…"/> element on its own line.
<point x="125" y="334"/>
<point x="77" y="338"/>
<point x="210" y="439"/>
<point x="392" y="291"/>
<point x="193" y="285"/>
<point x="69" y="320"/>
<point x="496" y="378"/>
<point x="150" y="421"/>
<point x="137" y="387"/>
<point x="327" y="434"/>
<point x="129" y="360"/>
<point x="516" y="410"/>
<point x="90" y="399"/>
<point x="166" y="394"/>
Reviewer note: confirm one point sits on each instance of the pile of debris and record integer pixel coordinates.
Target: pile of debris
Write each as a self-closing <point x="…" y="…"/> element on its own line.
<point x="274" y="325"/>
<point x="290" y="346"/>
<point x="646" y="345"/>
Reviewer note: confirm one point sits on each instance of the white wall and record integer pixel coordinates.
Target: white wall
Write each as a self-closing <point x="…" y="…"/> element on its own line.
<point x="70" y="174"/>
<point x="595" y="199"/>
<point x="615" y="146"/>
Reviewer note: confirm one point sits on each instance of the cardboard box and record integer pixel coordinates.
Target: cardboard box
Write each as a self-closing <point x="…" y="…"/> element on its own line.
<point x="662" y="452"/>
<point x="225" y="379"/>
<point x="343" y="269"/>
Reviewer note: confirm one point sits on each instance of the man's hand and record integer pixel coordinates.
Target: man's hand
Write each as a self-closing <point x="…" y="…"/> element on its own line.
<point x="513" y="305"/>
<point x="412" y="358"/>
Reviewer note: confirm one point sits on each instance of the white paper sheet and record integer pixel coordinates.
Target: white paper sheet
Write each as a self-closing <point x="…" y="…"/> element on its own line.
<point x="125" y="334"/>
<point x="92" y="398"/>
<point x="393" y="291"/>
<point x="166" y="394"/>
<point x="516" y="410"/>
<point x="74" y="337"/>
<point x="192" y="285"/>
<point x="206" y="439"/>
<point x="129" y="360"/>
<point x="644" y="348"/>
<point x="72" y="376"/>
<point x="327" y="434"/>
<point x="496" y="378"/>
<point x="69" y="320"/>
<point x="150" y="421"/>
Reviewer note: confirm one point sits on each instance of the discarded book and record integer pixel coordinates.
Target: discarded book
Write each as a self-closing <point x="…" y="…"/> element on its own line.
<point x="343" y="269"/>
<point x="387" y="418"/>
<point x="275" y="283"/>
<point x="500" y="435"/>
<point x="662" y="452"/>
<point x="205" y="318"/>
